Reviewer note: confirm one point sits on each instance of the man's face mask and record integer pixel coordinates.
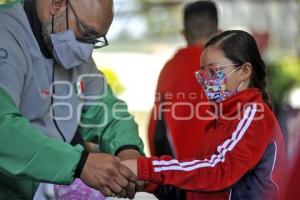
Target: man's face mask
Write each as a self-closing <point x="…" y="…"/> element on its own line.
<point x="69" y="51"/>
<point x="214" y="81"/>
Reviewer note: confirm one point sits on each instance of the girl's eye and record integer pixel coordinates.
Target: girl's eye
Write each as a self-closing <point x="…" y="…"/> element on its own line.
<point x="211" y="72"/>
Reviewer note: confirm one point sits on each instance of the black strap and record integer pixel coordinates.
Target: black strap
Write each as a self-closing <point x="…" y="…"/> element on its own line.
<point x="78" y="139"/>
<point x="81" y="163"/>
<point x="67" y="13"/>
<point x="52" y="29"/>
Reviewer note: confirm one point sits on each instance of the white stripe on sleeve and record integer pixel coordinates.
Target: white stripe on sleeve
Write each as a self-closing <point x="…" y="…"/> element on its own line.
<point x="222" y="150"/>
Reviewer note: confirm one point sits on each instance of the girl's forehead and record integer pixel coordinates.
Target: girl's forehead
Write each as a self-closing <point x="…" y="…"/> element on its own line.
<point x="213" y="56"/>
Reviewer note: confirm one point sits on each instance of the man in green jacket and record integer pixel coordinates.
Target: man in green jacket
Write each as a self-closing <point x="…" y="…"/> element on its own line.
<point x="48" y="101"/>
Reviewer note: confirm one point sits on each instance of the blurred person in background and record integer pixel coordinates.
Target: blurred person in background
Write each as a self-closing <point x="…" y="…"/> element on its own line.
<point x="242" y="155"/>
<point x="173" y="130"/>
<point x="42" y="130"/>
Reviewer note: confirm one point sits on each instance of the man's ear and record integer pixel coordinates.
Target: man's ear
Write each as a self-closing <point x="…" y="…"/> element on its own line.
<point x="183" y="33"/>
<point x="57" y="7"/>
<point x="246" y="70"/>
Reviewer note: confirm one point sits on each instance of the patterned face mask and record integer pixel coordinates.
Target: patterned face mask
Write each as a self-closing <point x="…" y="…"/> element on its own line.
<point x="213" y="82"/>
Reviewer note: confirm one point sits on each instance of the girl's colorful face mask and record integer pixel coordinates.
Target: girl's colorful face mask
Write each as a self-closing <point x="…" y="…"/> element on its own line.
<point x="213" y="81"/>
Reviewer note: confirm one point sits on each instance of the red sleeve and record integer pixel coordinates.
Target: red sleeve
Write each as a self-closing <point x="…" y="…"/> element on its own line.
<point x="231" y="160"/>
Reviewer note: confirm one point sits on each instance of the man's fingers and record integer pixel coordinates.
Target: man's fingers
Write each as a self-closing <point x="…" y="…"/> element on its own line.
<point x="140" y="185"/>
<point x="122" y="194"/>
<point x="128" y="193"/>
<point x="127" y="173"/>
<point x="122" y="181"/>
<point x="131" y="190"/>
<point x="108" y="186"/>
<point x="115" y="187"/>
<point x="106" y="191"/>
<point x="131" y="186"/>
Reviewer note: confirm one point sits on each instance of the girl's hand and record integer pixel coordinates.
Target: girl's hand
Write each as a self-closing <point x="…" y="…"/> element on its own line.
<point x="131" y="164"/>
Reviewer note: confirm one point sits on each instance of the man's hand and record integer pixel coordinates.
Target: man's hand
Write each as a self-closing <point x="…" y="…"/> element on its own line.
<point x="106" y="174"/>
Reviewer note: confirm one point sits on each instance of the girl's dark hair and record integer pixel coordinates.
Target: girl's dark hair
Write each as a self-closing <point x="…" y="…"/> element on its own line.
<point x="240" y="47"/>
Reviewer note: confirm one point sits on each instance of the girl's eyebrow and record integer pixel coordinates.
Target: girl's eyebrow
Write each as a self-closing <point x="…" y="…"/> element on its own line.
<point x="208" y="65"/>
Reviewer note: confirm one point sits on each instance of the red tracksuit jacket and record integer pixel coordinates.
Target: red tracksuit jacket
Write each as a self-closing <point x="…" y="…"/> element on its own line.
<point x="240" y="158"/>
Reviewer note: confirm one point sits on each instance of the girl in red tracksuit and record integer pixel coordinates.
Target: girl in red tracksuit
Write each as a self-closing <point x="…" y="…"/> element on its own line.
<point x="243" y="151"/>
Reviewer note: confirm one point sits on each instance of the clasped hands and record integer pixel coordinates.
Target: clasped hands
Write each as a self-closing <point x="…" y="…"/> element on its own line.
<point x="112" y="177"/>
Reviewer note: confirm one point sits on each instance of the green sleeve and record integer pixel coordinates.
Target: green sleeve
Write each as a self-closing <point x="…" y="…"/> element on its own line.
<point x="109" y="124"/>
<point x="26" y="152"/>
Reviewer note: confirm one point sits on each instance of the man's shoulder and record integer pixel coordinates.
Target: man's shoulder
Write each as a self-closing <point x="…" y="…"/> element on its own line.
<point x="8" y="40"/>
<point x="12" y="52"/>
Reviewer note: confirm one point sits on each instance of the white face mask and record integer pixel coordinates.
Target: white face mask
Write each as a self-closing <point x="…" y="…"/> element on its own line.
<point x="69" y="52"/>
